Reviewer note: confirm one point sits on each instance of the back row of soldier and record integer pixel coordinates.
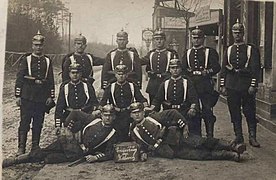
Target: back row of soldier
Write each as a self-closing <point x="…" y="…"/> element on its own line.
<point x="184" y="88"/>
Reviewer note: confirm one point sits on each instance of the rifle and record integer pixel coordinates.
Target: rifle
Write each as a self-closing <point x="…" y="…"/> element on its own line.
<point x="78" y="161"/>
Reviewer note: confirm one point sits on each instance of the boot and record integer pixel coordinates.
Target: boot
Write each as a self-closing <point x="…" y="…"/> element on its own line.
<point x="223" y="145"/>
<point x="239" y="148"/>
<point x="209" y="129"/>
<point x="252" y="137"/>
<point x="35" y="140"/>
<point x="22" y="139"/>
<point x="23" y="158"/>
<point x="225" y="155"/>
<point x="238" y="133"/>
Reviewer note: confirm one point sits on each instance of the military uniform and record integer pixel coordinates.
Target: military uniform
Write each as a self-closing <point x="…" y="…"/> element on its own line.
<point x="86" y="60"/>
<point x="128" y="57"/>
<point x="200" y="64"/>
<point x="121" y="96"/>
<point x="240" y="72"/>
<point x="34" y="86"/>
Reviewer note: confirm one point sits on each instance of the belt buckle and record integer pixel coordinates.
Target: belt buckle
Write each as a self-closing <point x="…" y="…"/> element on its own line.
<point x="198" y="73"/>
<point x="176" y="106"/>
<point x="159" y="75"/>
<point x="37" y="81"/>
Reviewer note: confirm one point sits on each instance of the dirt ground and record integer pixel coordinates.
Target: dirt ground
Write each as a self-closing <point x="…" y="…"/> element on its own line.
<point x="257" y="163"/>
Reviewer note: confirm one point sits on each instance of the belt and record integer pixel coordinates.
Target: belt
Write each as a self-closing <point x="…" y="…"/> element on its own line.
<point x="159" y="75"/>
<point x="71" y="109"/>
<point x="197" y="73"/>
<point x="175" y="106"/>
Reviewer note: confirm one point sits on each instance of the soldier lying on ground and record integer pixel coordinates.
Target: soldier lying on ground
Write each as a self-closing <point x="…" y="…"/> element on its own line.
<point x="160" y="134"/>
<point x="98" y="138"/>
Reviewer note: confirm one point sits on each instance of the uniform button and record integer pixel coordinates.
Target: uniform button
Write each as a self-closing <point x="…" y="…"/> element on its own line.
<point x="174" y="91"/>
<point x="143" y="127"/>
<point x="76" y="97"/>
<point x="151" y="136"/>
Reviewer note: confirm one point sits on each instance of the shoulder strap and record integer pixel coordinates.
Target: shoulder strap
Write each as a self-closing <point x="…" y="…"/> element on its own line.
<point x="85" y="87"/>
<point x="29" y="60"/>
<point x="249" y="48"/>
<point x="206" y="57"/>
<point x="132" y="90"/>
<point x="154" y="121"/>
<point x="184" y="89"/>
<point x="228" y="54"/>
<point x="91" y="123"/>
<point x="72" y="59"/>
<point x="136" y="132"/>
<point x="112" y="55"/>
<point x="112" y="90"/>
<point x="188" y="57"/>
<point x="91" y="62"/>
<point x="131" y="54"/>
<point x="150" y="58"/>
<point x="166" y="84"/>
<point x="66" y="91"/>
<point x="169" y="54"/>
<point x="47" y="67"/>
<point x="107" y="138"/>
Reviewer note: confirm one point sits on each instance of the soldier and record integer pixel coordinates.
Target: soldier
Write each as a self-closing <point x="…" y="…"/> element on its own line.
<point x="200" y="64"/>
<point x="34" y="92"/>
<point x="121" y="94"/>
<point x="162" y="134"/>
<point x="128" y="56"/>
<point x="99" y="136"/>
<point x="86" y="60"/>
<point x="179" y="93"/>
<point x="239" y="80"/>
<point x="157" y="61"/>
<point x="74" y="95"/>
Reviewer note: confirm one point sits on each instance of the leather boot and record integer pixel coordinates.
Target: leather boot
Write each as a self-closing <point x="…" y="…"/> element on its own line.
<point x="22" y="139"/>
<point x="252" y="136"/>
<point x="209" y="129"/>
<point x="35" y="140"/>
<point x="238" y="133"/>
<point x="225" y="155"/>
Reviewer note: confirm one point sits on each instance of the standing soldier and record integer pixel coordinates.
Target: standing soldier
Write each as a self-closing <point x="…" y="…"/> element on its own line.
<point x="157" y="61"/>
<point x="121" y="94"/>
<point x="179" y="93"/>
<point x="34" y="92"/>
<point x="86" y="60"/>
<point x="74" y="95"/>
<point x="128" y="56"/>
<point x="239" y="80"/>
<point x="200" y="64"/>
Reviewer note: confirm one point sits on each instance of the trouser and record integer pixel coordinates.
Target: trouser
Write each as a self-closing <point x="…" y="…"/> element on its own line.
<point x="122" y="125"/>
<point x="194" y="123"/>
<point x="207" y="113"/>
<point x="236" y="100"/>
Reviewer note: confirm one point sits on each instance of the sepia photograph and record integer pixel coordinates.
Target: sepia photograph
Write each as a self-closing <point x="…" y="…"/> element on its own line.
<point x="138" y="89"/>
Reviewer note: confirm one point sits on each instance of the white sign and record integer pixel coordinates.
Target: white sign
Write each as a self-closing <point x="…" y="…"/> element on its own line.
<point x="147" y="35"/>
<point x="174" y="22"/>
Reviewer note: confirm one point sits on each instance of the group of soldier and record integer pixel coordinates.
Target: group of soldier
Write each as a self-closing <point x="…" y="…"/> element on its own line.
<point x="181" y="92"/>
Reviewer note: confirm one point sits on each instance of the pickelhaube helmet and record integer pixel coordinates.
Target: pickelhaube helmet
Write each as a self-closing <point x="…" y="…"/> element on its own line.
<point x="75" y="66"/>
<point x="108" y="109"/>
<point x="158" y="33"/>
<point x="121" y="68"/>
<point x="80" y="38"/>
<point x="122" y="34"/>
<point x="197" y="33"/>
<point x="238" y="27"/>
<point x="38" y="38"/>
<point x="175" y="62"/>
<point x="136" y="106"/>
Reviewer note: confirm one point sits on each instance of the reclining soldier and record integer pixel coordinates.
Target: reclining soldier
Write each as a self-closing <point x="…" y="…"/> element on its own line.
<point x="99" y="136"/>
<point x="162" y="135"/>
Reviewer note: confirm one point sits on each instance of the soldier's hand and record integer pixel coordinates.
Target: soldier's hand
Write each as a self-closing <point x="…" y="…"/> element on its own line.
<point x="91" y="158"/>
<point x="96" y="113"/>
<point x="252" y="90"/>
<point x="204" y="72"/>
<point x="144" y="157"/>
<point x="18" y="101"/>
<point x="58" y="131"/>
<point x="71" y="124"/>
<point x="49" y="101"/>
<point x="191" y="112"/>
<point x="223" y="90"/>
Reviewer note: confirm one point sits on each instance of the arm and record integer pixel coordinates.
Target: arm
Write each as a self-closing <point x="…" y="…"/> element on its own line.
<point x="60" y="106"/>
<point x="159" y="97"/>
<point x="22" y="71"/>
<point x="213" y="63"/>
<point x="106" y="76"/>
<point x="65" y="69"/>
<point x="50" y="80"/>
<point x="138" y="96"/>
<point x="97" y="61"/>
<point x="92" y="103"/>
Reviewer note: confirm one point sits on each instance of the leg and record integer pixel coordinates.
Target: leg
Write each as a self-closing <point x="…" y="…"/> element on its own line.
<point x="24" y="126"/>
<point x="249" y="111"/>
<point x="234" y="106"/>
<point x="38" y="121"/>
<point x="194" y="125"/>
<point x="122" y="124"/>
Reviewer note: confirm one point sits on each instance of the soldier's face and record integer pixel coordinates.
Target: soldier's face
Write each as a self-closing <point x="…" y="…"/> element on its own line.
<point x="37" y="48"/>
<point x="108" y="118"/>
<point x="197" y="41"/>
<point x="175" y="71"/>
<point x="238" y="36"/>
<point x="159" y="42"/>
<point x="121" y="77"/>
<point x="75" y="75"/>
<point x="122" y="42"/>
<point x="137" y="116"/>
<point x="79" y="47"/>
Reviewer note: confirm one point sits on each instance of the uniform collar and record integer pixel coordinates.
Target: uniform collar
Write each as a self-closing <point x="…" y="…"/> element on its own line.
<point x="75" y="83"/>
<point x="240" y="43"/>
<point x="161" y="50"/>
<point x="37" y="55"/>
<point x="122" y="83"/>
<point x="78" y="54"/>
<point x="175" y="79"/>
<point x="199" y="47"/>
<point x="122" y="50"/>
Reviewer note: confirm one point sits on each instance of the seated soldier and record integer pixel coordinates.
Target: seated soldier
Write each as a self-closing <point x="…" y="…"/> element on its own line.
<point x="99" y="136"/>
<point x="157" y="135"/>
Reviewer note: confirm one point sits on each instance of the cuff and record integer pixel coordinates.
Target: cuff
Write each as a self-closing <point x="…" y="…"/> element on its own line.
<point x="17" y="91"/>
<point x="52" y="93"/>
<point x="57" y="123"/>
<point x="100" y="155"/>
<point x="253" y="83"/>
<point x="222" y="82"/>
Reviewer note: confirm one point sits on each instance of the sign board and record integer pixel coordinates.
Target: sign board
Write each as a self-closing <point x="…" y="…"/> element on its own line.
<point x="174" y="22"/>
<point x="126" y="152"/>
<point x="203" y="14"/>
<point x="147" y="35"/>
